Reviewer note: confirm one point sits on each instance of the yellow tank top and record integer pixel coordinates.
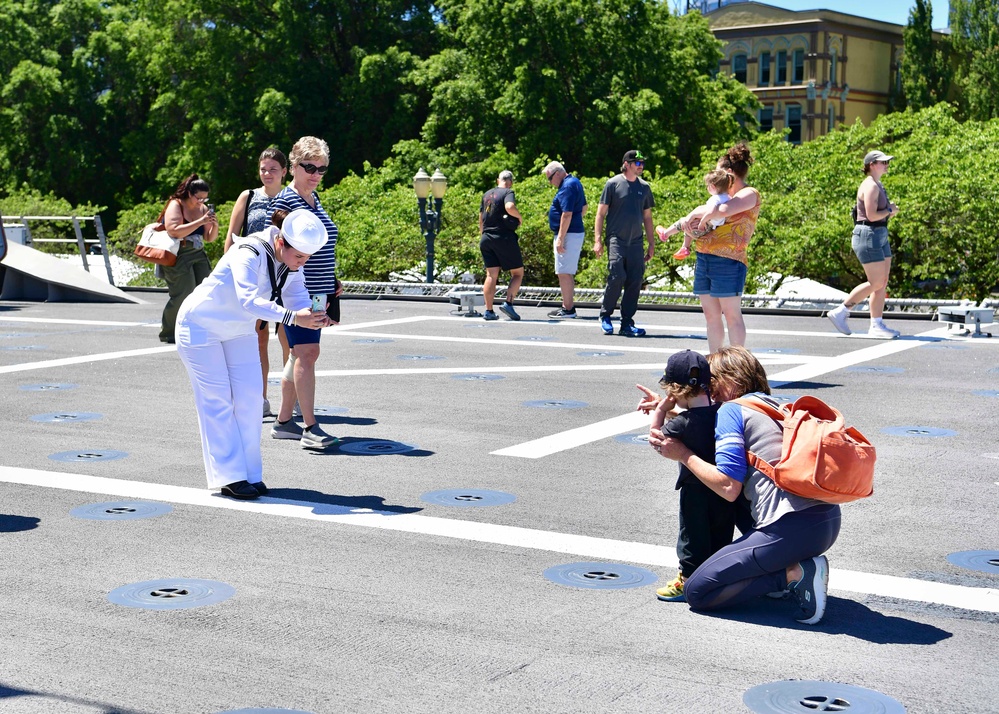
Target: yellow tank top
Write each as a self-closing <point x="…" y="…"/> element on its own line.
<point x="730" y="239"/>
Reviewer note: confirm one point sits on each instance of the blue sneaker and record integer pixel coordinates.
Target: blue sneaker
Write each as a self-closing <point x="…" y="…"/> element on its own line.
<point x="605" y="325"/>
<point x="810" y="591"/>
<point x="490" y="315"/>
<point x="631" y="331"/>
<point x="508" y="310"/>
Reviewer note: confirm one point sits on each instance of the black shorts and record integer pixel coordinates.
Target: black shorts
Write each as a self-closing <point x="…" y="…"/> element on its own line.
<point x="502" y="253"/>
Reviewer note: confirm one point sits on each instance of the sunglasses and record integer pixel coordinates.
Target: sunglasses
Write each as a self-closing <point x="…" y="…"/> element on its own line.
<point x="638" y="163"/>
<point x="312" y="168"/>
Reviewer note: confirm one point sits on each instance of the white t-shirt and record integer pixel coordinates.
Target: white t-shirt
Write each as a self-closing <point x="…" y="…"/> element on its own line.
<point x="716" y="200"/>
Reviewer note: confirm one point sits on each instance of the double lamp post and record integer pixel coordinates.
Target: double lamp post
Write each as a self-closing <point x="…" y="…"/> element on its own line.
<point x="430" y="218"/>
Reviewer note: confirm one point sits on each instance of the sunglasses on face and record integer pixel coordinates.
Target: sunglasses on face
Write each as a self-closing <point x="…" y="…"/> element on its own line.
<point x="312" y="168"/>
<point x="639" y="164"/>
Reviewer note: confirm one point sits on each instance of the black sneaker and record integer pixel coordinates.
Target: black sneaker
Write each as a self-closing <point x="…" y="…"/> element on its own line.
<point x="562" y="313"/>
<point x="810" y="591"/>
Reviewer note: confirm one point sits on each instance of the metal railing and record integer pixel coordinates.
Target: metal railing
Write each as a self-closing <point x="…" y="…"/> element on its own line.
<point x="441" y="292"/>
<point x="80" y="241"/>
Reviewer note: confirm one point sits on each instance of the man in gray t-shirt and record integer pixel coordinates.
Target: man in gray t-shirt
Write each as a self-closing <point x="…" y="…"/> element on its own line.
<point x="626" y="204"/>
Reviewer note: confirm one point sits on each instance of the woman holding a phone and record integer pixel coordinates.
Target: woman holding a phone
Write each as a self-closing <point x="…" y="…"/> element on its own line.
<point x="310" y="158"/>
<point x="187" y="216"/>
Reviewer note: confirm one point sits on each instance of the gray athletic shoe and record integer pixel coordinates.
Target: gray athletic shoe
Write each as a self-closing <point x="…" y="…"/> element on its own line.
<point x="562" y="314"/>
<point x="315" y="438"/>
<point x="267" y="409"/>
<point x="810" y="591"/>
<point x="286" y="430"/>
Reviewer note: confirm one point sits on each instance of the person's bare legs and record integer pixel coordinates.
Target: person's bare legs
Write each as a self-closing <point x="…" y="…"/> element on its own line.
<point x="305" y="381"/>
<point x="516" y="278"/>
<point x="876" y="286"/>
<point x="712" y="309"/>
<point x="489" y="287"/>
<point x="263" y="340"/>
<point x="567" y="284"/>
<point x="283" y="339"/>
<point x="731" y="308"/>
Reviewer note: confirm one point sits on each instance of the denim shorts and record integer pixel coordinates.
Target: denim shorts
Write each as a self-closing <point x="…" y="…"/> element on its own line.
<point x="871" y="243"/>
<point x="719" y="277"/>
<point x="302" y="335"/>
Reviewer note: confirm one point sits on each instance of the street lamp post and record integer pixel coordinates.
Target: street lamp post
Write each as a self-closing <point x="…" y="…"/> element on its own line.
<point x="430" y="219"/>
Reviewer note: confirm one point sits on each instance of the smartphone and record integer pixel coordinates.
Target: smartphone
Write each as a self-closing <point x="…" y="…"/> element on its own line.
<point x="318" y="303"/>
<point x="211" y="208"/>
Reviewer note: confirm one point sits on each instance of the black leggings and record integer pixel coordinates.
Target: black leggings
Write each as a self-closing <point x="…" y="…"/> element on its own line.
<point x="756" y="563"/>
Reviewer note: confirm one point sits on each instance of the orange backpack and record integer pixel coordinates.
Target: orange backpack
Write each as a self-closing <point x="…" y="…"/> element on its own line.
<point x="821" y="457"/>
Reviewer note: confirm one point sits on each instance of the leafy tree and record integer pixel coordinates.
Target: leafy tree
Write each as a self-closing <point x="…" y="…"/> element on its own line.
<point x="926" y="72"/>
<point x="974" y="26"/>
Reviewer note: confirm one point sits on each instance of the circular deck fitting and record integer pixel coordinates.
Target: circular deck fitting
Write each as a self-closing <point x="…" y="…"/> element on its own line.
<point x="776" y="351"/>
<point x="600" y="576"/>
<point x="52" y="386"/>
<point x="372" y="341"/>
<point x="66" y="417"/>
<point x="415" y="358"/>
<point x="984" y="561"/>
<point x="468" y="498"/>
<point x="376" y="448"/>
<point x="794" y="696"/>
<point x="600" y="353"/>
<point x="917" y="431"/>
<point x="875" y="368"/>
<point x="121" y="510"/>
<point x="640" y="439"/>
<point x="22" y="348"/>
<point x="536" y="338"/>
<point x="555" y="404"/>
<point x="324" y="410"/>
<point x="986" y="393"/>
<point x="89" y="455"/>
<point x="171" y="594"/>
<point x="477" y="377"/>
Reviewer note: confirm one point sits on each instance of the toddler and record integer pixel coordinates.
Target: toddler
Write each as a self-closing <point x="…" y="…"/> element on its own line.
<point x="717" y="182"/>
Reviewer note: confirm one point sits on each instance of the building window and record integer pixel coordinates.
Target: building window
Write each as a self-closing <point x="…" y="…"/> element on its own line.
<point x="832" y="68"/>
<point x="766" y="119"/>
<point x="739" y="68"/>
<point x="781" y="67"/>
<point x="764" y="70"/>
<point x="792" y="120"/>
<point x="832" y="118"/>
<point x="798" y="75"/>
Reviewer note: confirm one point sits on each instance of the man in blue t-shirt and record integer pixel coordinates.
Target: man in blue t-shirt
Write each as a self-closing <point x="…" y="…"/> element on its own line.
<point x="565" y="218"/>
<point x="626" y="204"/>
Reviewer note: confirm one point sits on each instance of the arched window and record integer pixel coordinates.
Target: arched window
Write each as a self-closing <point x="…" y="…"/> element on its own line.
<point x="781" y="68"/>
<point x="764" y="69"/>
<point x="739" y="67"/>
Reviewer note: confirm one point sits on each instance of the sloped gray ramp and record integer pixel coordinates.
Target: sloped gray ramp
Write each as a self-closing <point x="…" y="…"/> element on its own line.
<point x="28" y="274"/>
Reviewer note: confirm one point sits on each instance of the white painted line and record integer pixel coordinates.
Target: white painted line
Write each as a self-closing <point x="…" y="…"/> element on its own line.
<point x="85" y="359"/>
<point x="966" y="598"/>
<point x="572" y="438"/>
<point x="831" y="364"/>
<point x="481" y="370"/>
<point x="62" y="321"/>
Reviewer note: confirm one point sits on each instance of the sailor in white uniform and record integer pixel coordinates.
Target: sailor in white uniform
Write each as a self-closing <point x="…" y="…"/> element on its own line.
<point x="259" y="279"/>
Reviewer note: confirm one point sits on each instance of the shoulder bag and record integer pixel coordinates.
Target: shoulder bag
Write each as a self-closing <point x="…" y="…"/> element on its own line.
<point x="156" y="245"/>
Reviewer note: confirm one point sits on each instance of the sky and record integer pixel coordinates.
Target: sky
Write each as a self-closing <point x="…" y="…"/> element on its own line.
<point x="896" y="11"/>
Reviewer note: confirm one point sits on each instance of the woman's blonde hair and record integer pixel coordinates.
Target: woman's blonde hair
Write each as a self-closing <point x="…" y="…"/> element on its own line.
<point x="309" y="147"/>
<point x="737" y="367"/>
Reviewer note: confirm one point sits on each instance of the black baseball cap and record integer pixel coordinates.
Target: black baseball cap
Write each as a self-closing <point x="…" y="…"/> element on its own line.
<point x="633" y="155"/>
<point x="688" y="368"/>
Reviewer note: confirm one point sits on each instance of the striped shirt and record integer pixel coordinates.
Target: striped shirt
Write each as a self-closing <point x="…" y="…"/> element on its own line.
<point x="320" y="269"/>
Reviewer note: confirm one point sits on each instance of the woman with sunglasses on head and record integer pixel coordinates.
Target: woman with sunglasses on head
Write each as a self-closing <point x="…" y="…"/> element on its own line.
<point x="310" y="158"/>
<point x="250" y="214"/>
<point x="870" y="243"/>
<point x="186" y="216"/>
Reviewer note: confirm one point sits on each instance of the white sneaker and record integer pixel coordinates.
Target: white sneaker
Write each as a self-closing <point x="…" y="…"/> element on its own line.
<point x="839" y="317"/>
<point x="880" y="332"/>
<point x="883" y="326"/>
<point x="267" y="409"/>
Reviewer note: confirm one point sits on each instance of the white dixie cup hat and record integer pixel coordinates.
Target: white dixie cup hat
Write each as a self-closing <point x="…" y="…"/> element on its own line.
<point x="304" y="232"/>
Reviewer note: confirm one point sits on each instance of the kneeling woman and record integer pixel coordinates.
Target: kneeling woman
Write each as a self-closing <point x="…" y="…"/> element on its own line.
<point x="782" y="550"/>
<point x="258" y="280"/>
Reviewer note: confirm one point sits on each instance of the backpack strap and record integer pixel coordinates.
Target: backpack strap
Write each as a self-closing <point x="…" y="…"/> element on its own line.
<point x="761" y="465"/>
<point x="246" y="211"/>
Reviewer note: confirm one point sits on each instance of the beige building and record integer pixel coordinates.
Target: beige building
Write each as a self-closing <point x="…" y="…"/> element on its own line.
<point x="812" y="70"/>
